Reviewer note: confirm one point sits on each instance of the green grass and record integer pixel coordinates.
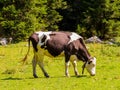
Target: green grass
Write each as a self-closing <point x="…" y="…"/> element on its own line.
<point x="15" y="76"/>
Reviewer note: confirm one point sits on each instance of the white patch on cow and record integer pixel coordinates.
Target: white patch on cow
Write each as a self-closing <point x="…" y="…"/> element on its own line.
<point x="41" y="33"/>
<point x="48" y="37"/>
<point x="73" y="37"/>
<point x="91" y="68"/>
<point x="40" y="36"/>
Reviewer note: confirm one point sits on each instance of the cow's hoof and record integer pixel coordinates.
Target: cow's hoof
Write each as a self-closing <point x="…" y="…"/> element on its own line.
<point x="46" y="75"/>
<point x="77" y="74"/>
<point x="67" y="75"/>
<point x="35" y="76"/>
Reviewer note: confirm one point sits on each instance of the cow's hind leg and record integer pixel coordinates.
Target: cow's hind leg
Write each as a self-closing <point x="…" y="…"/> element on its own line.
<point x="40" y="63"/>
<point x="39" y="55"/>
<point x="34" y="63"/>
<point x="38" y="59"/>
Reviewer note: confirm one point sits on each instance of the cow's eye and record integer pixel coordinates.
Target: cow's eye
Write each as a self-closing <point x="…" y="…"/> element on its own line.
<point x="89" y="62"/>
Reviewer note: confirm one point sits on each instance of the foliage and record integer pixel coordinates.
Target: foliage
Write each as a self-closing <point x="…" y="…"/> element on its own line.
<point x="89" y="17"/>
<point x="19" y="18"/>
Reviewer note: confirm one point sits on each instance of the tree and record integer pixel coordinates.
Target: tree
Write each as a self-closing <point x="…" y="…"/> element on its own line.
<point x="89" y="17"/>
<point x="19" y="18"/>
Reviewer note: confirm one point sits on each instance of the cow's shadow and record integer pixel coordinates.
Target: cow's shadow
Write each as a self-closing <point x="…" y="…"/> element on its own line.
<point x="80" y="76"/>
<point x="11" y="78"/>
<point x="73" y="76"/>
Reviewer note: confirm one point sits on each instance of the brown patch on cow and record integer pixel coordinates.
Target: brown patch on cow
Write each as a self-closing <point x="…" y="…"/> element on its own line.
<point x="57" y="43"/>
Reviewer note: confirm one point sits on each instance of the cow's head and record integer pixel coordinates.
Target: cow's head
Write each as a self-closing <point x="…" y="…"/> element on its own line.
<point x="90" y="66"/>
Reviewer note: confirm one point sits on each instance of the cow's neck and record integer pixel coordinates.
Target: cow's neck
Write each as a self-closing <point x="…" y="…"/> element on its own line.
<point x="84" y="55"/>
<point x="87" y="56"/>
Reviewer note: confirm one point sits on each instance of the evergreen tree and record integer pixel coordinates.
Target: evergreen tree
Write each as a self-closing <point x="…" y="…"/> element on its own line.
<point x="19" y="18"/>
<point x="89" y="17"/>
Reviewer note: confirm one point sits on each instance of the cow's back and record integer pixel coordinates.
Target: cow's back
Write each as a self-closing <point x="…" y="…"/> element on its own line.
<point x="57" y="43"/>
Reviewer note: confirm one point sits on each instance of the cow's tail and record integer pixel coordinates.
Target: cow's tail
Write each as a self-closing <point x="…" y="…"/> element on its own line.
<point x="25" y="58"/>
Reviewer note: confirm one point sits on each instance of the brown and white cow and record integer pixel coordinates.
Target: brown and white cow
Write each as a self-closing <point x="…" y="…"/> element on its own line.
<point x="53" y="44"/>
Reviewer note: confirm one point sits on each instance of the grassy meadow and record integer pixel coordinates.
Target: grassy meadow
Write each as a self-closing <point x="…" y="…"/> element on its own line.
<point x="15" y="76"/>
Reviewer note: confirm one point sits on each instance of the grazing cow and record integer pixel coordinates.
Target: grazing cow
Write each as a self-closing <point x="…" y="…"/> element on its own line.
<point x="68" y="44"/>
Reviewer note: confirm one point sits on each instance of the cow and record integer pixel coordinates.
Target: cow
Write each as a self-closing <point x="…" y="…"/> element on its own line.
<point x="60" y="43"/>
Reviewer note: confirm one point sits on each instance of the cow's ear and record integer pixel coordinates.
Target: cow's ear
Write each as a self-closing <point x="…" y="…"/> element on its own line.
<point x="89" y="62"/>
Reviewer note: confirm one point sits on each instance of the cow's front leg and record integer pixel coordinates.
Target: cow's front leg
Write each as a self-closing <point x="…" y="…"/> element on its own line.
<point x="74" y="63"/>
<point x="67" y="68"/>
<point x="67" y="63"/>
<point x="34" y="63"/>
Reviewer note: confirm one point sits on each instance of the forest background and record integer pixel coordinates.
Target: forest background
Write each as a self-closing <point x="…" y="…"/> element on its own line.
<point x="20" y="18"/>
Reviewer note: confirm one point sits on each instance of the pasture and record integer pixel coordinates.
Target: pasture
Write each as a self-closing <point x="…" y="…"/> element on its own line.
<point x="15" y="76"/>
